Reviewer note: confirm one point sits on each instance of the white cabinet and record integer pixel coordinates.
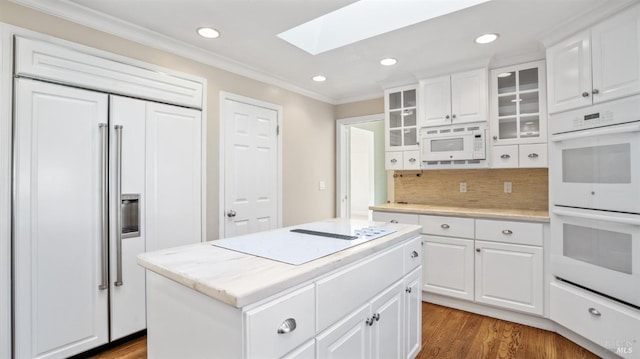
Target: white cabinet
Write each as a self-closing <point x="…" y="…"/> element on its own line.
<point x="518" y="116"/>
<point x="454" y="99"/>
<point x="349" y="338"/>
<point x="448" y="266"/>
<point x="173" y="176"/>
<point x="413" y="313"/>
<point x="596" y="65"/>
<point x="401" y="128"/>
<point x="387" y="323"/>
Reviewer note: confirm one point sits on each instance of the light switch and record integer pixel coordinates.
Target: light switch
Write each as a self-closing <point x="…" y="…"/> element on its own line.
<point x="322" y="186"/>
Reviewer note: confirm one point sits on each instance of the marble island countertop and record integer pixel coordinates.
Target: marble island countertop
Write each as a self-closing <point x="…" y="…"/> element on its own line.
<point x="541" y="216"/>
<point x="240" y="279"/>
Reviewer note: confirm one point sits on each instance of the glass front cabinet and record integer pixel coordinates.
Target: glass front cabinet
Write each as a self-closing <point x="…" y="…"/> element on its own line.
<point x="518" y="116"/>
<point x="401" y="128"/>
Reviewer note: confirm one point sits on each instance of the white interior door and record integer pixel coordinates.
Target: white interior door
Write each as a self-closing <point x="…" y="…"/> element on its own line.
<point x="60" y="292"/>
<point x="251" y="169"/>
<point x="362" y="177"/>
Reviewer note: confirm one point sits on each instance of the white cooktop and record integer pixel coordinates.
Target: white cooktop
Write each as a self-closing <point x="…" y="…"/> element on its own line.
<point x="296" y="248"/>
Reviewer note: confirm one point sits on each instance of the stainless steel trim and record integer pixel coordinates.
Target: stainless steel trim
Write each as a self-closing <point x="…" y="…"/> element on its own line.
<point x="595" y="132"/>
<point x="287" y="326"/>
<point x="118" y="216"/>
<point x="104" y="203"/>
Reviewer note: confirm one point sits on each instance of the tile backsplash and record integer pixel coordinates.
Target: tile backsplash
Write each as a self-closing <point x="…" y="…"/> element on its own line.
<point x="485" y="188"/>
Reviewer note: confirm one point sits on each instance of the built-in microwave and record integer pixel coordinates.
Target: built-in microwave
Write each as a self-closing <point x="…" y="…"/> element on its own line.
<point x="453" y="143"/>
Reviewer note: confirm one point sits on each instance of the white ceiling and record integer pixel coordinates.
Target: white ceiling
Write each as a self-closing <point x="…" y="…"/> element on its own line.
<point x="249" y="45"/>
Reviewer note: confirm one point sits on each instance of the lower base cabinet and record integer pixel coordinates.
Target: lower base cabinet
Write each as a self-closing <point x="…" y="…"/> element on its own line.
<point x="448" y="266"/>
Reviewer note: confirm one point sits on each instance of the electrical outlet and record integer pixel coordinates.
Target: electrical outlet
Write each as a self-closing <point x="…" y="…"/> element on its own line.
<point x="507" y="187"/>
<point x="463" y="187"/>
<point x="322" y="186"/>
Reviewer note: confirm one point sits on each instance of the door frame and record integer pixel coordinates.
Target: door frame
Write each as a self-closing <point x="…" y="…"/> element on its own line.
<point x="342" y="159"/>
<point x="253" y="102"/>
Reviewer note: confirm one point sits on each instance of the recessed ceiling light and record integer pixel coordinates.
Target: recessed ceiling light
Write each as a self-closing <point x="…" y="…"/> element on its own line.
<point x="319" y="78"/>
<point x="486" y="38"/>
<point x="389" y="61"/>
<point x="504" y="74"/>
<point x="208" y="32"/>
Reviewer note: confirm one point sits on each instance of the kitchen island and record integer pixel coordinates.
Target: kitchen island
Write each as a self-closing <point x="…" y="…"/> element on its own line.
<point x="207" y="301"/>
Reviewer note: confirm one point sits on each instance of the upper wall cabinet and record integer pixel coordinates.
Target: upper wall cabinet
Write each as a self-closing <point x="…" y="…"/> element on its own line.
<point x="454" y="99"/>
<point x="596" y="65"/>
<point x="401" y="128"/>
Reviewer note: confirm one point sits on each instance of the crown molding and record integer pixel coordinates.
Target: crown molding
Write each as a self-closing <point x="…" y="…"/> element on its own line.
<point x="78" y="14"/>
<point x="582" y="20"/>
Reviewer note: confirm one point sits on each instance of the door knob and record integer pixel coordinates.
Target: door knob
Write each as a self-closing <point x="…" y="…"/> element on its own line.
<point x="231" y="213"/>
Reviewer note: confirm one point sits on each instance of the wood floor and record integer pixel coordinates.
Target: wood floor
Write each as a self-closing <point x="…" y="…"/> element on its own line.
<point x="450" y="333"/>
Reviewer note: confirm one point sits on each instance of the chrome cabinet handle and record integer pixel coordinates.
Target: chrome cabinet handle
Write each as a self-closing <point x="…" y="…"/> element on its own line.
<point x="408" y="290"/>
<point x="533" y="155"/>
<point x="447" y="117"/>
<point x="595" y="91"/>
<point x="393" y="160"/>
<point x="393" y="221"/>
<point x="104" y="220"/>
<point x="414" y="254"/>
<point x="412" y="159"/>
<point x="478" y="250"/>
<point x="376" y="317"/>
<point x="505" y="156"/>
<point x="231" y="213"/>
<point x="453" y="116"/>
<point x="287" y="326"/>
<point x="507" y="231"/>
<point x="118" y="219"/>
<point x="585" y="94"/>
<point x="594" y="312"/>
<point x="444" y="226"/>
<point x="495" y="138"/>
<point x="369" y="321"/>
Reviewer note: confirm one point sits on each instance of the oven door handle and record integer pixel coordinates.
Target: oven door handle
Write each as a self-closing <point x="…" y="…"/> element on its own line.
<point x="597" y="217"/>
<point x="595" y="132"/>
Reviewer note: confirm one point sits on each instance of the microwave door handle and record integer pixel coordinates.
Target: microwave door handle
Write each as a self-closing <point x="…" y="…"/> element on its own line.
<point x="595" y="132"/>
<point x="597" y="217"/>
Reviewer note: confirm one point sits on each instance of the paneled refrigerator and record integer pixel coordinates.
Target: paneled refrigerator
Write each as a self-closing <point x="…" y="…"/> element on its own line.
<point x="97" y="180"/>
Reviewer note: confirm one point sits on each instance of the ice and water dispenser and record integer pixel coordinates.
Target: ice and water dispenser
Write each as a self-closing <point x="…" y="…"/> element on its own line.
<point x="130" y="206"/>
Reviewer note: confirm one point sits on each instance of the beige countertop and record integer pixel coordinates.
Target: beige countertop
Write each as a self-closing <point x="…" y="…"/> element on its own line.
<point x="488" y="213"/>
<point x="240" y="279"/>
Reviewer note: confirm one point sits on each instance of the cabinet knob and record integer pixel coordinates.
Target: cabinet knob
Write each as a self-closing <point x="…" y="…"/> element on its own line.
<point x="507" y="231"/>
<point x="393" y="160"/>
<point x="369" y="321"/>
<point x="414" y="254"/>
<point x="594" y="312"/>
<point x="444" y="226"/>
<point x="287" y="326"/>
<point x="453" y="116"/>
<point x="505" y="156"/>
<point x="412" y="160"/>
<point x="231" y="213"/>
<point x="533" y="155"/>
<point x="376" y="317"/>
<point x="447" y="117"/>
<point x="495" y="138"/>
<point x="585" y="94"/>
<point x="478" y="250"/>
<point x="595" y="91"/>
<point x="408" y="290"/>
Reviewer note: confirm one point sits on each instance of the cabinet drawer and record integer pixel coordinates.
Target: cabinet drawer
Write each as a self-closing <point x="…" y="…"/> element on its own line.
<point x="604" y="322"/>
<point x="411" y="160"/>
<point x="391" y="217"/>
<point x="263" y="322"/>
<point x="393" y="160"/>
<point x="534" y="155"/>
<point x="504" y="156"/>
<point x="447" y="226"/>
<point x="342" y="292"/>
<point x="412" y="253"/>
<point x="509" y="232"/>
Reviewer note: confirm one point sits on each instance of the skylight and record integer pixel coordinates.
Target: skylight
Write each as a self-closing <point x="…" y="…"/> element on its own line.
<point x="367" y="18"/>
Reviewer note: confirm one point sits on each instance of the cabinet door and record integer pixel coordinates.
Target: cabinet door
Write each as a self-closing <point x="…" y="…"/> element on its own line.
<point x="504" y="156"/>
<point x="616" y="56"/>
<point x="447" y="266"/>
<point x="128" y="308"/>
<point x="413" y="313"/>
<point x="569" y="73"/>
<point x="305" y="351"/>
<point x="435" y="95"/>
<point x="533" y="155"/>
<point x="59" y="289"/>
<point x="393" y="160"/>
<point x="411" y="160"/>
<point x="387" y="311"/>
<point x="349" y="338"/>
<point x="173" y="187"/>
<point x="509" y="276"/>
<point x="469" y="97"/>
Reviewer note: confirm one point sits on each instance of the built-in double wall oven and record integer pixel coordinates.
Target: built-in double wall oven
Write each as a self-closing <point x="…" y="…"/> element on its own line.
<point x="595" y="193"/>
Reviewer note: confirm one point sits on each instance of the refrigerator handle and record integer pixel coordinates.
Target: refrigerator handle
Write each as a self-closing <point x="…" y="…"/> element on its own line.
<point x="104" y="202"/>
<point x="118" y="219"/>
